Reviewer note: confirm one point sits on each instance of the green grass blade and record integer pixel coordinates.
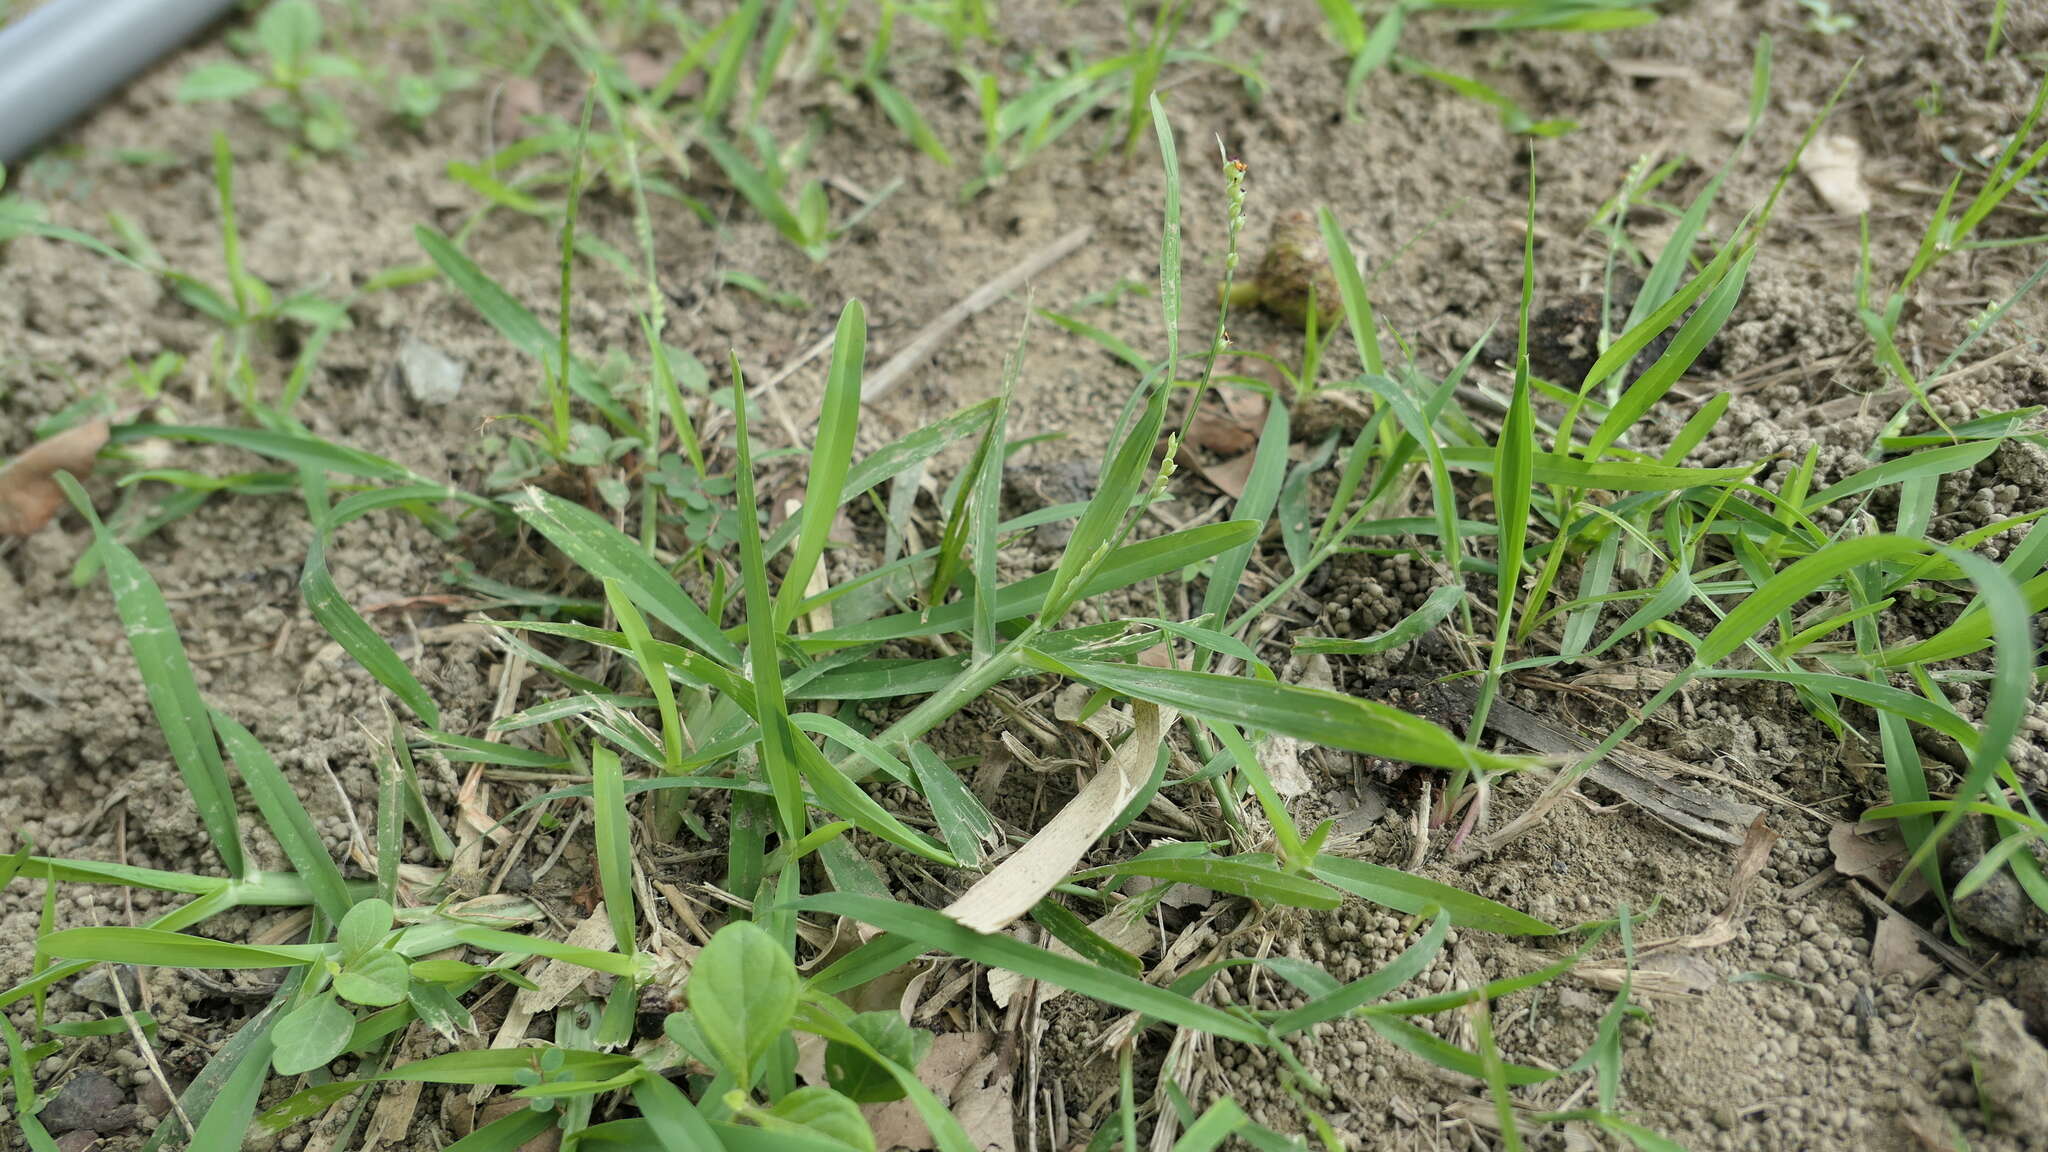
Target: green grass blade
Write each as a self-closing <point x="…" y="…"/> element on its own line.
<point x="837" y="792"/>
<point x="1410" y="1038"/>
<point x="343" y="623"/>
<point x="167" y="681"/>
<point x="675" y="1122"/>
<point x="614" y="831"/>
<point x="514" y="944"/>
<point x="516" y="323"/>
<point x="1513" y="476"/>
<point x="156" y="947"/>
<point x="1261" y="495"/>
<point x="1169" y="236"/>
<point x="1603" y="476"/>
<point x="1248" y="876"/>
<point x="1328" y="718"/>
<point x="292" y="448"/>
<point x="1692" y="339"/>
<point x="1794" y="583"/>
<point x="1357" y="305"/>
<point x="2011" y="682"/>
<point x="1418" y="895"/>
<point x="778" y="753"/>
<point x="227" y="1118"/>
<point x="286" y="817"/>
<point x="510" y="1132"/>
<point x="634" y="628"/>
<point x="1932" y="462"/>
<point x="934" y="930"/>
<point x="760" y="193"/>
<point x="607" y="553"/>
<point x="1640" y="332"/>
<point x="1119" y="568"/>
<point x="966" y="826"/>
<point x="831" y="459"/>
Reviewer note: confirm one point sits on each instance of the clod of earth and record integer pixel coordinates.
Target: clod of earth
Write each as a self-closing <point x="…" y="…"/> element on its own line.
<point x="88" y="1101"/>
<point x="1294" y="272"/>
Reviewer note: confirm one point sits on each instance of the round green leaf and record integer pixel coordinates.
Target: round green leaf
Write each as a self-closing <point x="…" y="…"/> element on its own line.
<point x="310" y="1035"/>
<point x="743" y="992"/>
<point x="377" y="978"/>
<point x="857" y="1075"/>
<point x="223" y="81"/>
<point x="363" y="928"/>
<point x="823" y="1112"/>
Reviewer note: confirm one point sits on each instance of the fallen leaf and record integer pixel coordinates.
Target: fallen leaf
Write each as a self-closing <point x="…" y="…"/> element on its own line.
<point x="518" y="101"/>
<point x="1873" y="851"/>
<point x="1749" y="860"/>
<point x="1665" y="974"/>
<point x="1280" y="756"/>
<point x="29" y="495"/>
<point x="1873" y="857"/>
<point x="962" y="1071"/>
<point x="1231" y="476"/>
<point x="1834" y="165"/>
<point x="1896" y="948"/>
<point x="1627" y="679"/>
<point x="1010" y="889"/>
<point x="643" y="69"/>
<point x="1229" y="426"/>
<point x="560" y="977"/>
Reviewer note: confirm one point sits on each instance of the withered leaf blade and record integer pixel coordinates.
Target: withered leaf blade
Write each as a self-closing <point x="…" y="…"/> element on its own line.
<point x="29" y="495"/>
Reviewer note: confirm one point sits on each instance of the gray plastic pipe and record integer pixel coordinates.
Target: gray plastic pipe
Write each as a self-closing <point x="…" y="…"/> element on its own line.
<point x="68" y="55"/>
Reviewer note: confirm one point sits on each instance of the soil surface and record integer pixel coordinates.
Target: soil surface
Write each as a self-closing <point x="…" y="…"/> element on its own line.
<point x="1792" y="1030"/>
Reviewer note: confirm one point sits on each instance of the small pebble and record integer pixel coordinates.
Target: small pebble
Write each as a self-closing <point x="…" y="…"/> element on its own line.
<point x="431" y="375"/>
<point x="88" y="1100"/>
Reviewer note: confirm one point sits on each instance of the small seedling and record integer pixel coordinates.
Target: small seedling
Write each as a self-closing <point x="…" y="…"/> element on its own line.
<point x="285" y="44"/>
<point x="1822" y="17"/>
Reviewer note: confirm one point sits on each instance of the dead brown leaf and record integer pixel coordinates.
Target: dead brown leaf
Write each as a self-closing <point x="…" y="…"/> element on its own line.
<point x="962" y="1071"/>
<point x="1749" y="860"/>
<point x="1896" y="948"/>
<point x="558" y="978"/>
<point x="1871" y="857"/>
<point x="29" y="495"/>
<point x="1628" y="679"/>
<point x="1229" y="424"/>
<point x="1669" y="974"/>
<point x="519" y="100"/>
<point x="1834" y="165"/>
<point x="1873" y="851"/>
<point x="1011" y="888"/>
<point x="1231" y="476"/>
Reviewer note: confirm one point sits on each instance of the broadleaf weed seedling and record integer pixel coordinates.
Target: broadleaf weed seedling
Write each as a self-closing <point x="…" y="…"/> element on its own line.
<point x="285" y="42"/>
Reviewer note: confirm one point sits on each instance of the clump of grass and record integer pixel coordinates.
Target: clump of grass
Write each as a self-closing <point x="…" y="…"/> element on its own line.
<point x="733" y="719"/>
<point x="711" y="698"/>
